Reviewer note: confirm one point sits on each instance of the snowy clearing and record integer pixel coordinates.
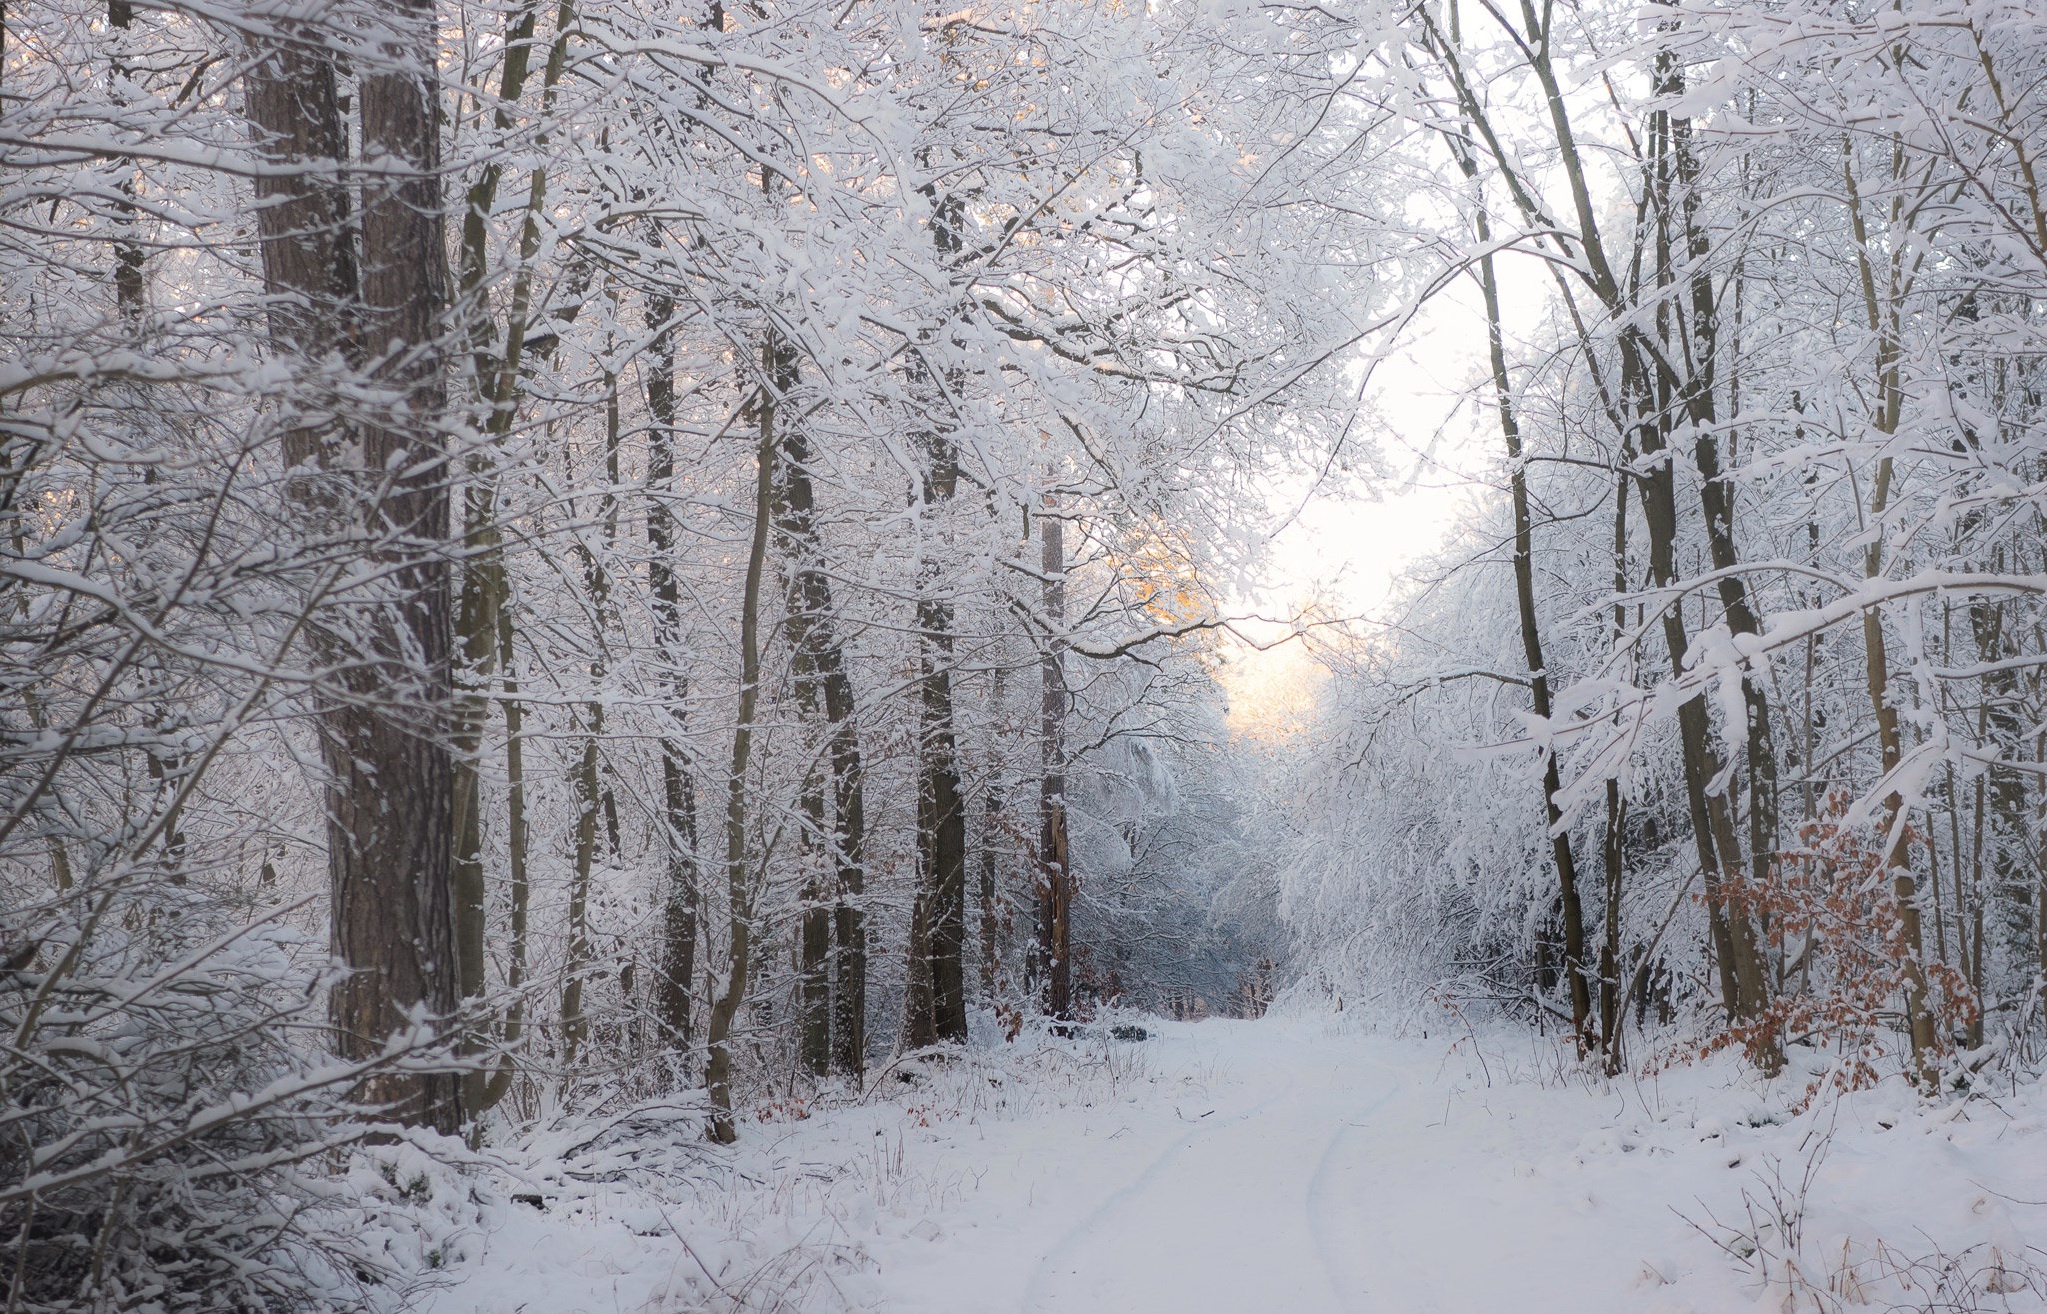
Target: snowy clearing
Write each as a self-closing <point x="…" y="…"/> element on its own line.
<point x="1230" y="1167"/>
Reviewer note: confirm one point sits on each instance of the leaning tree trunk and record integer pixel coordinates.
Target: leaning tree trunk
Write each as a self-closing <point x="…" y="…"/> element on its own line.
<point x="1716" y="500"/>
<point x="1658" y="394"/>
<point x="1568" y="896"/>
<point x="388" y="791"/>
<point x="1883" y="322"/>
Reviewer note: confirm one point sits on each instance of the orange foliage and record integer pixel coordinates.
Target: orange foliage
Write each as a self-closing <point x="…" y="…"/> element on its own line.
<point x="1830" y="917"/>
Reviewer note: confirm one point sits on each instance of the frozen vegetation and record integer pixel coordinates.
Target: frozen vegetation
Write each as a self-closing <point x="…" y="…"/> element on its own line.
<point x="628" y="647"/>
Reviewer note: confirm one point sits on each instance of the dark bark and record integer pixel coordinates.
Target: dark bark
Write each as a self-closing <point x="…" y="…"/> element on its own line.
<point x="937" y="1007"/>
<point x="2008" y="825"/>
<point x="1672" y="400"/>
<point x="389" y="788"/>
<point x="832" y="966"/>
<point x="991" y="845"/>
<point x="1055" y="870"/>
<point x="778" y="373"/>
<point x="673" y="1000"/>
<point x="1570" y="904"/>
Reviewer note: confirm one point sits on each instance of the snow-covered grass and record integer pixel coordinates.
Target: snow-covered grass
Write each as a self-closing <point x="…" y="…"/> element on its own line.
<point x="1239" y="1167"/>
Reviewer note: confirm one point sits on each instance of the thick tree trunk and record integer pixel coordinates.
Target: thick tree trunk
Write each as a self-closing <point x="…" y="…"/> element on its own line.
<point x="389" y="788"/>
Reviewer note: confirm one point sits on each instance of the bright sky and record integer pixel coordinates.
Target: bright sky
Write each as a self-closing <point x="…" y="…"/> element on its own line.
<point x="1345" y="550"/>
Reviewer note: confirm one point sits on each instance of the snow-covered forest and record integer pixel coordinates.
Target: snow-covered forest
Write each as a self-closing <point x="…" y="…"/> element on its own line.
<point x="617" y="619"/>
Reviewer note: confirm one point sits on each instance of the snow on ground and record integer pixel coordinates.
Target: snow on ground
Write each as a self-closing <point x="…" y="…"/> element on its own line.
<point x="1280" y="1165"/>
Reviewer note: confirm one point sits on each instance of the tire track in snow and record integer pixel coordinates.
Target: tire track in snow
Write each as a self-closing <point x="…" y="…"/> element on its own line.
<point x="1089" y="1227"/>
<point x="1245" y="1198"/>
<point x="1317" y="1200"/>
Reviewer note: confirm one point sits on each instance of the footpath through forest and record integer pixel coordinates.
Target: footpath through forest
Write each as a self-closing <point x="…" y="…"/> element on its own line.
<point x="1242" y="1167"/>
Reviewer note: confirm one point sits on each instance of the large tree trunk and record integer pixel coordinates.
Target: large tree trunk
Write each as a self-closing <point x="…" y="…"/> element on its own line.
<point x="389" y="787"/>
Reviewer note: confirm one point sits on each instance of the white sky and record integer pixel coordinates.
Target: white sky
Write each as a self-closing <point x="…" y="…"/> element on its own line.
<point x="1347" y="551"/>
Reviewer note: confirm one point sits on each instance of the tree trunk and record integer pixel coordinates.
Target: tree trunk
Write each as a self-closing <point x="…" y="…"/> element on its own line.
<point x="515" y="840"/>
<point x="389" y="787"/>
<point x="778" y="370"/>
<point x="483" y="592"/>
<point x="1613" y="852"/>
<point x="833" y="975"/>
<point x="1744" y="985"/>
<point x="1882" y="319"/>
<point x="591" y="797"/>
<point x="1055" y="881"/>
<point x="937" y="1009"/>
<point x="673" y="1001"/>
<point x="1570" y="905"/>
<point x="991" y="843"/>
<point x="1716" y="499"/>
<point x="2008" y="826"/>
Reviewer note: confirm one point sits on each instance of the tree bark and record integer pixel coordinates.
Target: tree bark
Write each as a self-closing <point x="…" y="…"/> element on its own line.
<point x="383" y="724"/>
<point x="937" y="1008"/>
<point x="1055" y="880"/>
<point x="833" y="965"/>
<point x="1569" y="900"/>
<point x="673" y="1002"/>
<point x="778" y="369"/>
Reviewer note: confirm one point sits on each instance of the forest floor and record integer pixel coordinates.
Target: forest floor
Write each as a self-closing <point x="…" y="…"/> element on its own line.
<point x="1280" y="1165"/>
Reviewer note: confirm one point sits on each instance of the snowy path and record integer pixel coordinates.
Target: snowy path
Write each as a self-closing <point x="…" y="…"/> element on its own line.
<point x="1245" y="1211"/>
<point x="1247" y="1168"/>
<point x="1315" y="1174"/>
<point x="1332" y="1183"/>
